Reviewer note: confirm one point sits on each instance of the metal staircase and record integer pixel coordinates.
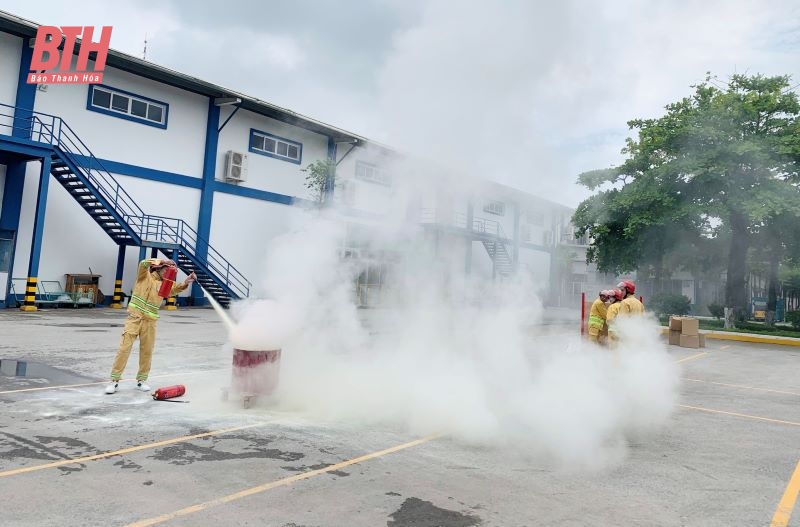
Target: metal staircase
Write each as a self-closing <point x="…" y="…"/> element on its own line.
<point x="94" y="188"/>
<point x="494" y="240"/>
<point x="498" y="252"/>
<point x="489" y="232"/>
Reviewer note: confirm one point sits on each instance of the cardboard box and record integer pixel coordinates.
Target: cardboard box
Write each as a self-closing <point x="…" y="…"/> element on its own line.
<point x="690" y="341"/>
<point x="674" y="338"/>
<point x="690" y="326"/>
<point x="675" y="323"/>
<point x="702" y="340"/>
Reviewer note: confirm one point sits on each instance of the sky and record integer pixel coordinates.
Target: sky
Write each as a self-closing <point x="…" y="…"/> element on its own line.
<point x="525" y="93"/>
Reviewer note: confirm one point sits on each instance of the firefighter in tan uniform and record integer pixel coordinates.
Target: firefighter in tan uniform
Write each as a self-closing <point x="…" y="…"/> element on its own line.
<point x="630" y="304"/>
<point x="597" y="316"/>
<point x="611" y="315"/>
<point x="142" y="317"/>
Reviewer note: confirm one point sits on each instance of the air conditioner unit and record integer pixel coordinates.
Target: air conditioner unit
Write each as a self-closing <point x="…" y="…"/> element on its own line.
<point x="236" y="167"/>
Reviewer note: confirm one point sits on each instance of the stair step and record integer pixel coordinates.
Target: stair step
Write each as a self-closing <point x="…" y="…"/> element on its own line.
<point x="89" y="198"/>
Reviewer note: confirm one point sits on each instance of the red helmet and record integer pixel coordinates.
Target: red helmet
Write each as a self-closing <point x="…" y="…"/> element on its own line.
<point x="628" y="286"/>
<point x="618" y="294"/>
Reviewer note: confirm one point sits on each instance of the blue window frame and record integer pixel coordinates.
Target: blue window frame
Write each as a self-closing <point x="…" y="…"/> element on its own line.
<point x="126" y="105"/>
<point x="273" y="146"/>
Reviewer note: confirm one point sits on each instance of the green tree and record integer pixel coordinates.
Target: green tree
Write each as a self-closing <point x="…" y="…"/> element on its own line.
<point x="319" y="179"/>
<point x="670" y="304"/>
<point x="775" y="241"/>
<point x="725" y="154"/>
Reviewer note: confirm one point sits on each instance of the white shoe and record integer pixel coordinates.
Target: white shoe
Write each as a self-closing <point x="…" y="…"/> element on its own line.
<point x="111" y="388"/>
<point x="142" y="386"/>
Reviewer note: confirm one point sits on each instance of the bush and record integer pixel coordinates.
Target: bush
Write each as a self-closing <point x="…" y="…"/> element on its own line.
<point x="669" y="304"/>
<point x="717" y="311"/>
<point x="794" y="318"/>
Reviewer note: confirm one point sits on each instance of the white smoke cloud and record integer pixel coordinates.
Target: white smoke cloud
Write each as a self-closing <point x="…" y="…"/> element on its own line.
<point x="456" y="357"/>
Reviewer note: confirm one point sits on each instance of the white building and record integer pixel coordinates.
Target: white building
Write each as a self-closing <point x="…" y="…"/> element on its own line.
<point x="95" y="177"/>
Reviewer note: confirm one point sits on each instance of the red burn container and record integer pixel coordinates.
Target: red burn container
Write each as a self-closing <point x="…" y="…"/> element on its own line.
<point x="255" y="372"/>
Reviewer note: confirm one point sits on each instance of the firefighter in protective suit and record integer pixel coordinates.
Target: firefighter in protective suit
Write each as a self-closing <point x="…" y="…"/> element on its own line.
<point x="142" y="317"/>
<point x="611" y="315"/>
<point x="630" y="304"/>
<point x="597" y="316"/>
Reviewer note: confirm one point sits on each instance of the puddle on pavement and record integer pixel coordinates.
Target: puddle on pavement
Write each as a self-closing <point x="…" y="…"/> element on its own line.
<point x="415" y="511"/>
<point x="18" y="370"/>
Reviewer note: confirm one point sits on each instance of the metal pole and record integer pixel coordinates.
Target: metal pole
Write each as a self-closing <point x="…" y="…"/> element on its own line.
<point x="583" y="314"/>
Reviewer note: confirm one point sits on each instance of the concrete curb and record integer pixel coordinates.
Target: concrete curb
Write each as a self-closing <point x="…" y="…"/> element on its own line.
<point x="746" y="337"/>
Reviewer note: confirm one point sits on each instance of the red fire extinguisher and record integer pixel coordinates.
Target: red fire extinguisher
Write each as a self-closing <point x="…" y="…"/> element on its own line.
<point x="167" y="281"/>
<point x="169" y="392"/>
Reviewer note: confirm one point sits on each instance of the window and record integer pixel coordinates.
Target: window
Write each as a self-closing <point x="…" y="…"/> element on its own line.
<point x="372" y="173"/>
<point x="119" y="103"/>
<point x="274" y="146"/>
<point x="534" y="218"/>
<point x="495" y="207"/>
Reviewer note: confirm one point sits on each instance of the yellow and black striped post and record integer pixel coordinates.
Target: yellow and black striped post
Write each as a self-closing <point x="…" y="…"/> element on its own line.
<point x="30" y="295"/>
<point x="116" y="303"/>
<point x="172" y="303"/>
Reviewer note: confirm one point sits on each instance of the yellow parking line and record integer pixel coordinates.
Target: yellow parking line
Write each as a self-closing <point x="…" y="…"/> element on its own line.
<point x="786" y="505"/>
<point x="756" y="417"/>
<point x="742" y="386"/>
<point x="64" y="386"/>
<point x="104" y="455"/>
<point x="755" y="338"/>
<point x="691" y="357"/>
<point x="278" y="483"/>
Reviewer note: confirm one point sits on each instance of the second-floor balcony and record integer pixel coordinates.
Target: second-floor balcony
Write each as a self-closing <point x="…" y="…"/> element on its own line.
<point x="459" y="220"/>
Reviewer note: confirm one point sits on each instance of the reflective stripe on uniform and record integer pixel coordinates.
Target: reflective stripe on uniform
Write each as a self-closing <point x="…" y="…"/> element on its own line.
<point x="596" y="321"/>
<point x="144" y="306"/>
<point x="145" y="302"/>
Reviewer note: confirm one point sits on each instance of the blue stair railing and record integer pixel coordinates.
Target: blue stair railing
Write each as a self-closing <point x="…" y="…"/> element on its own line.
<point x="150" y="229"/>
<point x="175" y="231"/>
